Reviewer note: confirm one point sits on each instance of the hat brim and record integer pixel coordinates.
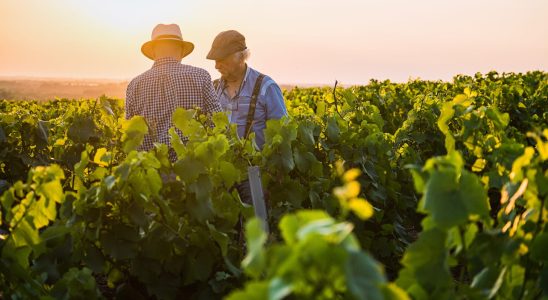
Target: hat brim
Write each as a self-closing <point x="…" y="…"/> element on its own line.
<point x="148" y="48"/>
<point x="219" y="53"/>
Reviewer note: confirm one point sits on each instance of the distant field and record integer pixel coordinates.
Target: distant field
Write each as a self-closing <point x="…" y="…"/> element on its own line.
<point x="44" y="89"/>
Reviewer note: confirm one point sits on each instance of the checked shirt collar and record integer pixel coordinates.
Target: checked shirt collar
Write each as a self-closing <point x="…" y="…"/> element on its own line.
<point x="165" y="61"/>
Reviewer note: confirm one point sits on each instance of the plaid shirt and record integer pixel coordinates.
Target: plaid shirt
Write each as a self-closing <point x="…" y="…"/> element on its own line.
<point x="168" y="85"/>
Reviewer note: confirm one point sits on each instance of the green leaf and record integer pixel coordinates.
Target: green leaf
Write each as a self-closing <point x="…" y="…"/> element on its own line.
<point x="539" y="248"/>
<point x="94" y="259"/>
<point x="201" y="206"/>
<point x="82" y="165"/>
<point x="52" y="191"/>
<point x="255" y="260"/>
<point x="501" y="120"/>
<point x="19" y="254"/>
<point x="287" y="157"/>
<point x="425" y="265"/>
<point x="105" y="105"/>
<point x="229" y="173"/>
<point x="120" y="242"/>
<point x="154" y="181"/>
<point x="182" y="119"/>
<point x="521" y="162"/>
<point x="226" y="207"/>
<point x="189" y="168"/>
<point x="306" y="132"/>
<point x="3" y="138"/>
<point x="220" y="237"/>
<point x="220" y="119"/>
<point x="212" y="150"/>
<point x="447" y="113"/>
<point x="176" y="142"/>
<point x="364" y="276"/>
<point x="333" y="130"/>
<point x="42" y="131"/>
<point x="134" y="133"/>
<point x="453" y="201"/>
<point x="393" y="292"/>
<point x="43" y="212"/>
<point x="82" y="129"/>
<point x="489" y="280"/>
<point x="336" y="232"/>
<point x="278" y="289"/>
<point x="252" y="291"/>
<point x="25" y="234"/>
<point x="302" y="160"/>
<point x="291" y="223"/>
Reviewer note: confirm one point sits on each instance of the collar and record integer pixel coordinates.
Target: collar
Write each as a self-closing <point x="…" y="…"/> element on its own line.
<point x="245" y="76"/>
<point x="247" y="68"/>
<point x="165" y="61"/>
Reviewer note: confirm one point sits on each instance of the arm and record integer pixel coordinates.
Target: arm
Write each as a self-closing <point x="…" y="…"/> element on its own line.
<point x="211" y="102"/>
<point x="130" y="96"/>
<point x="274" y="100"/>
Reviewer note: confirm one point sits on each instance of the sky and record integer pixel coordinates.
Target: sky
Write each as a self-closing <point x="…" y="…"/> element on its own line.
<point x="294" y="42"/>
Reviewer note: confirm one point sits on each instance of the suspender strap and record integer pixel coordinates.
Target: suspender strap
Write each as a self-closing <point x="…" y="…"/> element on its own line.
<point x="252" y="105"/>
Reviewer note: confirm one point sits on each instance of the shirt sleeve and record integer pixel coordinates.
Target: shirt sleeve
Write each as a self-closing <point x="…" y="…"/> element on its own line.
<point x="274" y="101"/>
<point x="130" y="100"/>
<point x="211" y="102"/>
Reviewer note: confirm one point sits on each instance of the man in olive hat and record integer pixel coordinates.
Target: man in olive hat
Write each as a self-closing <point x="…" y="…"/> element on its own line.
<point x="249" y="97"/>
<point x="168" y="85"/>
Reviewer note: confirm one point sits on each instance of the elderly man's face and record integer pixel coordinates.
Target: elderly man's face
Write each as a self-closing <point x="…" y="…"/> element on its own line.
<point x="231" y="66"/>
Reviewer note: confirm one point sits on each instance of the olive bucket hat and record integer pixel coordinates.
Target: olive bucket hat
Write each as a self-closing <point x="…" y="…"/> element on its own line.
<point x="226" y="43"/>
<point x="170" y="32"/>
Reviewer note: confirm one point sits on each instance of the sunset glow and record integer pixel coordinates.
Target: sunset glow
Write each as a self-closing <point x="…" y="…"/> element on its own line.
<point x="295" y="42"/>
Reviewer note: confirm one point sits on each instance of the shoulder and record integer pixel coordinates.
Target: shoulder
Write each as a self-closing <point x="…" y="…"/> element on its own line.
<point x="268" y="84"/>
<point x="139" y="78"/>
<point x="199" y="72"/>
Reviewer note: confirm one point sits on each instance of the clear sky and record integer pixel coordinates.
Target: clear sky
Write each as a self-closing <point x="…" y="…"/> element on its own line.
<point x="295" y="42"/>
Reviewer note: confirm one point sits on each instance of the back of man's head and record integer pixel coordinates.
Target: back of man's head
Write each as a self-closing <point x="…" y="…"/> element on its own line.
<point x="167" y="48"/>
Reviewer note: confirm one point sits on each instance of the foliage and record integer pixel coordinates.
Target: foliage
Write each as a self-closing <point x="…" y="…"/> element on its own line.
<point x="445" y="197"/>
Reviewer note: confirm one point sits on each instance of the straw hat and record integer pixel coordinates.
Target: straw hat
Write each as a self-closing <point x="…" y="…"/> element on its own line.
<point x="170" y="32"/>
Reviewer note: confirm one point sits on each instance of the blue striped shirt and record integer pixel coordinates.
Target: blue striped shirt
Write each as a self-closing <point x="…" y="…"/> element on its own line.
<point x="270" y="104"/>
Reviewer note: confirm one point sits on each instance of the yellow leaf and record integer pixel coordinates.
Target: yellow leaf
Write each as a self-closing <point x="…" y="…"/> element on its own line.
<point x="352" y="189"/>
<point x="351" y="175"/>
<point x="60" y="142"/>
<point x="98" y="155"/>
<point x="340" y="193"/>
<point x="339" y="167"/>
<point x="361" y="208"/>
<point x="479" y="165"/>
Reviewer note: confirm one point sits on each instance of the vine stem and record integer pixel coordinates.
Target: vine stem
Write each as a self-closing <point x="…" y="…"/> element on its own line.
<point x="335" y="99"/>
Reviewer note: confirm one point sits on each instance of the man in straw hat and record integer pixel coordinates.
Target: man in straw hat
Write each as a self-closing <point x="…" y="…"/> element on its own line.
<point x="249" y="97"/>
<point x="168" y="85"/>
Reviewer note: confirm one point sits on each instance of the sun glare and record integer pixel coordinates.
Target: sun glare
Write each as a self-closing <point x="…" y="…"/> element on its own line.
<point x="129" y="16"/>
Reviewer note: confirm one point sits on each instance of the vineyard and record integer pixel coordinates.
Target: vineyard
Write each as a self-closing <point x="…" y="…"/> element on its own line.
<point x="422" y="190"/>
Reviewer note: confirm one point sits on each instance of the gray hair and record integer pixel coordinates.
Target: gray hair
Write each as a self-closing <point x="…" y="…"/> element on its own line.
<point x="242" y="55"/>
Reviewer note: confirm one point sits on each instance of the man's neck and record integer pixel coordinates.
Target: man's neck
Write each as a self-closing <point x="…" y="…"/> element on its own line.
<point x="167" y="56"/>
<point x="238" y="76"/>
